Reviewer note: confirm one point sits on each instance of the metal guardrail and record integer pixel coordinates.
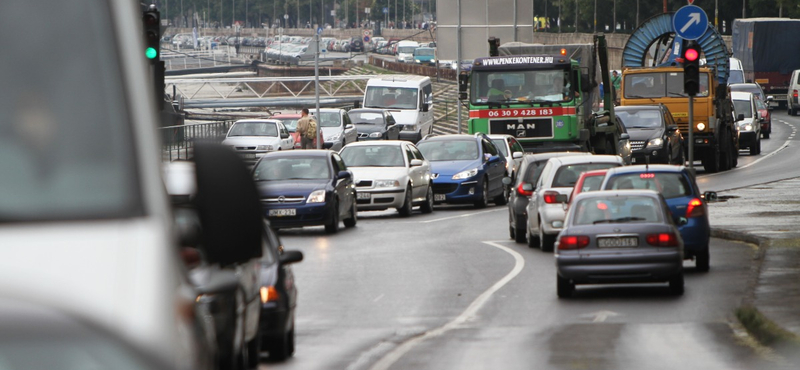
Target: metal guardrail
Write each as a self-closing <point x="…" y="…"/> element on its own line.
<point x="177" y="142"/>
<point x="261" y="87"/>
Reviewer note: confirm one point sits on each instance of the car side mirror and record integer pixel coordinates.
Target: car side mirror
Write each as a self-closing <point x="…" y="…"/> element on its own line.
<point x="561" y="198"/>
<point x="624" y="136"/>
<point x="220" y="282"/>
<point x="416" y="162"/>
<point x="343" y="175"/>
<point x="228" y="206"/>
<point x="506" y="181"/>
<point x="424" y="107"/>
<point x="672" y="128"/>
<point x="682" y="221"/>
<point x="284" y="135"/>
<point x="517" y="155"/>
<point x="710" y="196"/>
<point x="740" y="117"/>
<point x="494" y="159"/>
<point x="527" y="186"/>
<point x="349" y="126"/>
<point x="289" y="257"/>
<point x="770" y="98"/>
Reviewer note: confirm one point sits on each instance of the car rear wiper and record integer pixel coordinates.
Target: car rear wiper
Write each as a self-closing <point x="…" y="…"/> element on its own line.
<point x="621" y="219"/>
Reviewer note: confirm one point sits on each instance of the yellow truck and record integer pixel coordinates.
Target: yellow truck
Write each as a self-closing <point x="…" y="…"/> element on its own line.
<point x="715" y="138"/>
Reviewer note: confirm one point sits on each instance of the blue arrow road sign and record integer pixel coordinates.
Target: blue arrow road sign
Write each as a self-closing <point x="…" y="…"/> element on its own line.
<point x="690" y="22"/>
<point x="385" y="10"/>
<point x="319" y="31"/>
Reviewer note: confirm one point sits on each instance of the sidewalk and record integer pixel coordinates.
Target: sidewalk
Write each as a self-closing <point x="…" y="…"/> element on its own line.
<point x="767" y="215"/>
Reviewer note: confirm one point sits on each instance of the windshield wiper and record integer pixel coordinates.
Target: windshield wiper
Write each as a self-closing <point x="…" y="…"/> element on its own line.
<point x="620" y="220"/>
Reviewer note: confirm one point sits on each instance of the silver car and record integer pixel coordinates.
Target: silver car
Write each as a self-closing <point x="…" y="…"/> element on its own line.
<point x="389" y="174"/>
<point x="252" y="138"/>
<point x="622" y="236"/>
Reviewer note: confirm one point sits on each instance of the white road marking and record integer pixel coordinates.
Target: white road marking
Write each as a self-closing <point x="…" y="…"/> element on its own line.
<point x="753" y="163"/>
<point x="464" y="215"/>
<point x="601" y="316"/>
<point x="378" y="299"/>
<point x="390" y="358"/>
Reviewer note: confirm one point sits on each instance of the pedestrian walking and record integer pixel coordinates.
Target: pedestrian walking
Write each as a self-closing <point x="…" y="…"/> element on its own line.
<point x="307" y="130"/>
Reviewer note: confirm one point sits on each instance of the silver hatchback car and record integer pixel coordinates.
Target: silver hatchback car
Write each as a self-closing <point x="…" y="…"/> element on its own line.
<point x="623" y="236"/>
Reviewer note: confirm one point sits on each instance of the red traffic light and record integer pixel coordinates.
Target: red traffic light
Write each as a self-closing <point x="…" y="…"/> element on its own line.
<point x="691" y="55"/>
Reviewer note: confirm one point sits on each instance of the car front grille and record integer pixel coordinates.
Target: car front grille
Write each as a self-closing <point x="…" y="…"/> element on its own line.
<point x="245" y="148"/>
<point x="444" y="188"/>
<point x="637" y="144"/>
<point x="283" y="200"/>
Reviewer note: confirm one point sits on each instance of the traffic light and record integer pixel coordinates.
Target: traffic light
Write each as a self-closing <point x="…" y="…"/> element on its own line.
<point x="494" y="46"/>
<point x="152" y="34"/>
<point x="691" y="67"/>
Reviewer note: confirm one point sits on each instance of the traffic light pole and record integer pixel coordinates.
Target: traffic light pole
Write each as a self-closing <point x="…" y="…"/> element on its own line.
<point x="691" y="135"/>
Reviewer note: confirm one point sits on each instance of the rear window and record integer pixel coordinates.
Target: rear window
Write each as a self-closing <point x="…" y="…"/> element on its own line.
<point x="617" y="209"/>
<point x="567" y="176"/>
<point x="670" y="185"/>
<point x="501" y="145"/>
<point x="66" y="142"/>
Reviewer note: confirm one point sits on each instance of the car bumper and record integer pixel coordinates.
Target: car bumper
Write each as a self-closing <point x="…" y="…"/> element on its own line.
<point x="586" y="268"/>
<point x="457" y="191"/>
<point x="273" y="322"/>
<point x="747" y="139"/>
<point x="652" y="156"/>
<point x="550" y="213"/>
<point x="305" y="215"/>
<point x="380" y="199"/>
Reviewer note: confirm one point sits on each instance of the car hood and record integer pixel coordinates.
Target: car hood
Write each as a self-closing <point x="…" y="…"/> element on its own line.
<point x="405" y="116"/>
<point x="645" y="134"/>
<point x="450" y="168"/>
<point x="250" y="140"/>
<point x="368" y="129"/>
<point x="296" y="188"/>
<point x="378" y="173"/>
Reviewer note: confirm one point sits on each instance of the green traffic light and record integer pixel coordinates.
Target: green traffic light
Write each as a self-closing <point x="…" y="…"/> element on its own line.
<point x="151" y="53"/>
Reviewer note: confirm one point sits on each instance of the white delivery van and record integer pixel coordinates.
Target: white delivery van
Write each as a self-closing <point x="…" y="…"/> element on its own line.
<point x="794" y="90"/>
<point x="736" y="72"/>
<point x="405" y="51"/>
<point x="410" y="100"/>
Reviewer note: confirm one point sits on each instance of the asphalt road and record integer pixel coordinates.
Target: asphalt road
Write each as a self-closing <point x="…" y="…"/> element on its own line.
<point x="450" y="290"/>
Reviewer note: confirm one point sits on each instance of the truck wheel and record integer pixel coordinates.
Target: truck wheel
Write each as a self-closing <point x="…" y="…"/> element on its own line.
<point x="711" y="160"/>
<point x="725" y="152"/>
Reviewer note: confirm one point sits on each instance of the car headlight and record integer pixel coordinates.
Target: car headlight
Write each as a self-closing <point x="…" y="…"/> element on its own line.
<point x="387" y="184"/>
<point x="334" y="137"/>
<point x="746" y="127"/>
<point x="657" y="142"/>
<point x="264" y="147"/>
<point x="465" y="174"/>
<point x="700" y="126"/>
<point x="376" y="134"/>
<point x="409" y="127"/>
<point x="417" y="61"/>
<point x="317" y="196"/>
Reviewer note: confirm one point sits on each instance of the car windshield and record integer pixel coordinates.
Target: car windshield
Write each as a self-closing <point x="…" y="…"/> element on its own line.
<point x="254" y="129"/>
<point x="391" y="97"/>
<point x="449" y="150"/>
<point x="373" y="156"/>
<point x="501" y="145"/>
<point x="422" y="51"/>
<point x="640" y="118"/>
<point x="66" y="144"/>
<point x="669" y="184"/>
<point x="406" y="49"/>
<point x="614" y="209"/>
<point x="567" y="175"/>
<point x="300" y="168"/>
<point x="742" y="107"/>
<point x="367" y="118"/>
<point x="289" y="123"/>
<point x="330" y="119"/>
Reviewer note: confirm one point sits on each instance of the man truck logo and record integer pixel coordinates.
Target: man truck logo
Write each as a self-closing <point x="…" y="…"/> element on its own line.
<point x="520" y="126"/>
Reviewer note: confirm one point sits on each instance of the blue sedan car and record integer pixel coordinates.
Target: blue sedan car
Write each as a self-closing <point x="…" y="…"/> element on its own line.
<point x="465" y="169"/>
<point x="686" y="202"/>
<point x="306" y="188"/>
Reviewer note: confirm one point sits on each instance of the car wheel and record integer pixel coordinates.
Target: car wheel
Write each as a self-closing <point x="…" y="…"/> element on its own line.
<point x="725" y="152"/>
<point x="502" y="199"/>
<point x="407" y="207"/>
<point x="333" y="226"/>
<point x="765" y="135"/>
<point x="512" y="234"/>
<point x="533" y="241"/>
<point x="427" y="207"/>
<point x="758" y="144"/>
<point x="702" y="261"/>
<point x="283" y="348"/>
<point x="546" y="241"/>
<point x="481" y="203"/>
<point x="253" y="352"/>
<point x="353" y="219"/>
<point x="754" y="148"/>
<point x="519" y="235"/>
<point x="564" y="287"/>
<point x="711" y="160"/>
<point x="676" y="284"/>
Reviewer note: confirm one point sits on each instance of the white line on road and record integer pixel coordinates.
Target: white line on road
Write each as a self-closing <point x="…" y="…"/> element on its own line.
<point x="390" y="358"/>
<point x="464" y="215"/>
<point x="378" y="299"/>
<point x="785" y="144"/>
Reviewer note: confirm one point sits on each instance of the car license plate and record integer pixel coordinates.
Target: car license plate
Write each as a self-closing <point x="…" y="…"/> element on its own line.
<point x="633" y="160"/>
<point x="248" y="155"/>
<point x="439" y="197"/>
<point x="618" y="242"/>
<point x="282" y="212"/>
<point x="362" y="196"/>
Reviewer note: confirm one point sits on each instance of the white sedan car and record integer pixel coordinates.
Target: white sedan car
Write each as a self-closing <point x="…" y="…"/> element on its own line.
<point x="252" y="138"/>
<point x="389" y="174"/>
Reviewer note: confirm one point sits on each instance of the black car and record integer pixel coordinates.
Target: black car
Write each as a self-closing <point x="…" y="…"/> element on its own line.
<point x="522" y="188"/>
<point x="357" y="44"/>
<point x="278" y="297"/>
<point x="374" y="124"/>
<point x="655" y="137"/>
<point x="306" y="188"/>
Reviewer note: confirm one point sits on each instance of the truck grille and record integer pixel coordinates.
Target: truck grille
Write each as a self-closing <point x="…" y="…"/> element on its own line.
<point x="539" y="128"/>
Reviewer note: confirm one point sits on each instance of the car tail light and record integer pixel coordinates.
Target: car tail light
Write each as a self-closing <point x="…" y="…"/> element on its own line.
<point x="695" y="208"/>
<point x="269" y="294"/>
<point x="794" y="93"/>
<point x="573" y="242"/>
<point x="662" y="240"/>
<point x="522" y="192"/>
<point x="550" y="196"/>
